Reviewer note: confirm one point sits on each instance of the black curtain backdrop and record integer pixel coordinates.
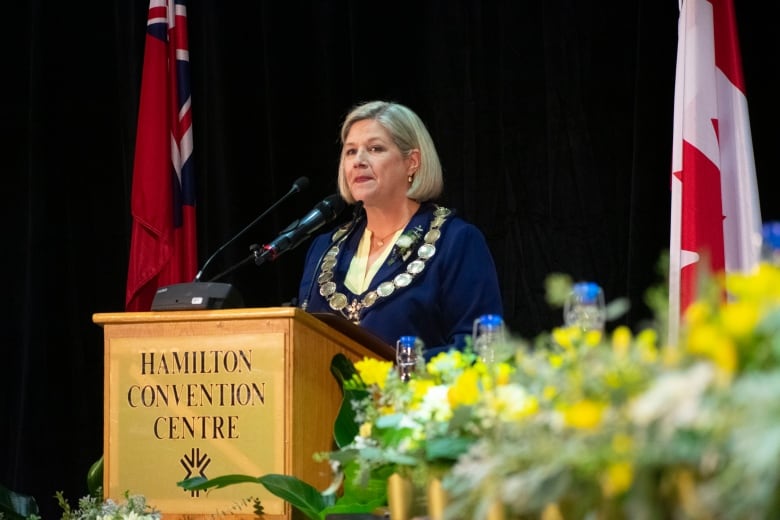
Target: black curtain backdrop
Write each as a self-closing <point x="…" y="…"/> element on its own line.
<point x="553" y="119"/>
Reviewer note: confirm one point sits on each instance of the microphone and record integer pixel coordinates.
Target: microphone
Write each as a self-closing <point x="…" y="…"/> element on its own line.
<point x="298" y="231"/>
<point x="357" y="215"/>
<point x="299" y="185"/>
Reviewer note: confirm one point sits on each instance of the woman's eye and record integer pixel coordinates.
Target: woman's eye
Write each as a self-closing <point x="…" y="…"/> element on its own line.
<point x="349" y="151"/>
<point x="375" y="148"/>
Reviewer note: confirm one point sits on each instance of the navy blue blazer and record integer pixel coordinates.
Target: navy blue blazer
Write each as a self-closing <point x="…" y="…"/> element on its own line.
<point x="457" y="284"/>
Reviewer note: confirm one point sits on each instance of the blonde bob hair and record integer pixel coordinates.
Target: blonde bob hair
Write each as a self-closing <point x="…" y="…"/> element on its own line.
<point x="408" y="132"/>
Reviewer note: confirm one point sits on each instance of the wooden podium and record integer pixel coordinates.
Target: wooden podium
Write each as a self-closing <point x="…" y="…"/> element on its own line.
<point x="217" y="392"/>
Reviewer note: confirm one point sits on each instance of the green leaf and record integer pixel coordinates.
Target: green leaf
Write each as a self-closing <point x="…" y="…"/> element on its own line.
<point x="557" y="287"/>
<point x="342" y="368"/>
<point x="447" y="449"/>
<point x="298" y="493"/>
<point x="346" y="507"/>
<point x="95" y="477"/>
<point x="362" y="495"/>
<point x="345" y="428"/>
<point x="461" y="417"/>
<point x="200" y="483"/>
<point x="15" y="505"/>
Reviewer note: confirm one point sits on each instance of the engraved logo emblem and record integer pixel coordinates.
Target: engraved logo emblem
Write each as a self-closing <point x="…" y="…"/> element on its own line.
<point x="195" y="464"/>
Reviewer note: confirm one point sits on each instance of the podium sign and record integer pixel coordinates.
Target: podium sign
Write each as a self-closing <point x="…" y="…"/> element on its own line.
<point x="217" y="392"/>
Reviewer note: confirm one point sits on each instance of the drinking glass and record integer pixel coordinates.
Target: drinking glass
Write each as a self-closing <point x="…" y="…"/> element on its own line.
<point x="585" y="307"/>
<point x="489" y="336"/>
<point x="408" y="356"/>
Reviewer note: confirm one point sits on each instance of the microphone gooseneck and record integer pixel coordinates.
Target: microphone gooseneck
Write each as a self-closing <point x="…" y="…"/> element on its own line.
<point x="299" y="185"/>
<point x="298" y="231"/>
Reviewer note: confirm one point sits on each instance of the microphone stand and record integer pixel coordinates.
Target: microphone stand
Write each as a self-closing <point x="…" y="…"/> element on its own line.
<point x="232" y="268"/>
<point x="207" y="295"/>
<point x="297" y="186"/>
<point x="257" y="250"/>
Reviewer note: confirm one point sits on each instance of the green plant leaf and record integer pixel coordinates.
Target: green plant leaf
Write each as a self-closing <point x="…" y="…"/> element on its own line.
<point x="347" y="507"/>
<point x="342" y="368"/>
<point x="298" y="493"/>
<point x="14" y="505"/>
<point x="95" y="477"/>
<point x="200" y="483"/>
<point x="345" y="428"/>
<point x="447" y="448"/>
<point x="368" y="490"/>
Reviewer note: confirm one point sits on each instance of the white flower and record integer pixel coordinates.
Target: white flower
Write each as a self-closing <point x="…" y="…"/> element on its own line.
<point x="404" y="241"/>
<point x="435" y="406"/>
<point x="513" y="402"/>
<point x="674" y="398"/>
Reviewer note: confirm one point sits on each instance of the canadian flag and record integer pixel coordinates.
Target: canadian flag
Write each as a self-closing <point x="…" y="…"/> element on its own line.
<point x="715" y="216"/>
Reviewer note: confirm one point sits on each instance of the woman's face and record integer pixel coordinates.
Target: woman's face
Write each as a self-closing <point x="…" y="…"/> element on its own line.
<point x="375" y="169"/>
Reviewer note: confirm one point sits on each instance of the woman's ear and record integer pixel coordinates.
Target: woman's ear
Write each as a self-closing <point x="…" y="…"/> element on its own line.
<point x="413" y="161"/>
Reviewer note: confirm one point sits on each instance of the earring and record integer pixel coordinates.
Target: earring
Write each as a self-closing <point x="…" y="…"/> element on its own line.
<point x="410" y="178"/>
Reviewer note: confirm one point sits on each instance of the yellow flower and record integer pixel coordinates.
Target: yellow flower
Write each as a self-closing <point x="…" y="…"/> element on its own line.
<point x="711" y="342"/>
<point x="567" y="337"/>
<point x="622" y="443"/>
<point x="584" y="415"/>
<point x="503" y="373"/>
<point x="621" y="340"/>
<point x="740" y="318"/>
<point x="374" y="371"/>
<point x="613" y="378"/>
<point x="724" y="355"/>
<point x="647" y="344"/>
<point x="697" y="313"/>
<point x="592" y="338"/>
<point x="465" y="390"/>
<point x="365" y="429"/>
<point x="512" y="403"/>
<point x="763" y="285"/>
<point x="617" y="479"/>
<point x="419" y="388"/>
<point x="549" y="392"/>
<point x="647" y="338"/>
<point x="447" y="363"/>
<point x="671" y="356"/>
<point x="701" y="338"/>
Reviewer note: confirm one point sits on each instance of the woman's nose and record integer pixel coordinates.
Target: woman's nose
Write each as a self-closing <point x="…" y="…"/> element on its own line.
<point x="360" y="159"/>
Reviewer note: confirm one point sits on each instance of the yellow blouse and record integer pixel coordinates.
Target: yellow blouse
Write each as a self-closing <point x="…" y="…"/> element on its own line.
<point x="360" y="274"/>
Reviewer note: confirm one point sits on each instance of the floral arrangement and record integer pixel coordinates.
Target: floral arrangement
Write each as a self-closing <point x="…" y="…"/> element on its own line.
<point x="608" y="425"/>
<point x="14" y="505"/>
<point x="91" y="507"/>
<point x="425" y="424"/>
<point x="630" y="428"/>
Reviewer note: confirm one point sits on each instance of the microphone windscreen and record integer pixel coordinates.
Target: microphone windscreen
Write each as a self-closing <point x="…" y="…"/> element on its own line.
<point x="300" y="184"/>
<point x="334" y="204"/>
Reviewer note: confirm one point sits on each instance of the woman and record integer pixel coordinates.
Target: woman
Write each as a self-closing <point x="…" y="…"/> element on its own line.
<point x="404" y="265"/>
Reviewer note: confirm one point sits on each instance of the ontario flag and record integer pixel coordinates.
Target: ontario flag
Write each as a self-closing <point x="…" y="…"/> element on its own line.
<point x="715" y="215"/>
<point x="163" y="248"/>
